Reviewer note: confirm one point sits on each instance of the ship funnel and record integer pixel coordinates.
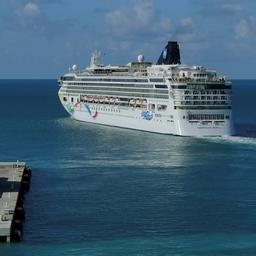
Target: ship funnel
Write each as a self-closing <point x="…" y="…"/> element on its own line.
<point x="170" y="54"/>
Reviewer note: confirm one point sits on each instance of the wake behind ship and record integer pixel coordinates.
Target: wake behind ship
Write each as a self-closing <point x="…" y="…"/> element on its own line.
<point x="167" y="97"/>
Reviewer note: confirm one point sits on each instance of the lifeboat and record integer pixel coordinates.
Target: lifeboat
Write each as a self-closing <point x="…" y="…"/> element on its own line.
<point x="106" y="100"/>
<point x="138" y="102"/>
<point x="116" y="101"/>
<point x="144" y="103"/>
<point x="112" y="100"/>
<point x="84" y="98"/>
<point x="132" y="102"/>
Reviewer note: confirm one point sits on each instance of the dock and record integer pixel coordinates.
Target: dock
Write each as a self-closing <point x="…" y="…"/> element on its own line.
<point x="14" y="183"/>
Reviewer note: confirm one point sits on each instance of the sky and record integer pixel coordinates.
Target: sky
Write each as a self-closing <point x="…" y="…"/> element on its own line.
<point x="42" y="38"/>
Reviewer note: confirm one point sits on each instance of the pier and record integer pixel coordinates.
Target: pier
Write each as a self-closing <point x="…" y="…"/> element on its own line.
<point x="14" y="183"/>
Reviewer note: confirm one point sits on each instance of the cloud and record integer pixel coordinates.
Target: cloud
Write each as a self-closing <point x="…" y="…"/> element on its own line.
<point x="231" y="8"/>
<point x="218" y="7"/>
<point x="144" y="12"/>
<point x="31" y="9"/>
<point x="186" y="30"/>
<point x="17" y="3"/>
<point x="141" y="27"/>
<point x="48" y="1"/>
<point x="242" y="29"/>
<point x="246" y="28"/>
<point x="139" y="20"/>
<point x="143" y="22"/>
<point x="229" y="19"/>
<point x="186" y="25"/>
<point x="29" y="17"/>
<point x="187" y="22"/>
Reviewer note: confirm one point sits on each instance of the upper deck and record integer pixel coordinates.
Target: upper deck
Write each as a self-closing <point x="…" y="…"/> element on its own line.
<point x="168" y="70"/>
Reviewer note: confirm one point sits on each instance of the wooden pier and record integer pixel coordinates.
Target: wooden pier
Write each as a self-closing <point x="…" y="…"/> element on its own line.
<point x="14" y="183"/>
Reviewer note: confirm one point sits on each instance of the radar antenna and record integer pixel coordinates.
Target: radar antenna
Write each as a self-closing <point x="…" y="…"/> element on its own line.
<point x="95" y="59"/>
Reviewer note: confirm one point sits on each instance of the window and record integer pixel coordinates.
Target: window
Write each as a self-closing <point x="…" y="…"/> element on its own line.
<point x="156" y="80"/>
<point x="67" y="78"/>
<point x="205" y="117"/>
<point x="161" y="107"/>
<point x="161" y="86"/>
<point x="64" y="99"/>
<point x="152" y="106"/>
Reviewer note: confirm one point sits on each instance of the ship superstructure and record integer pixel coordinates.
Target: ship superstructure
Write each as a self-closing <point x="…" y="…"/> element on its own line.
<point x="167" y="97"/>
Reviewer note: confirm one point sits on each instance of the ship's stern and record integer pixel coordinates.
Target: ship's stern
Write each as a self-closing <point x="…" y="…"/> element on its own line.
<point x="203" y="124"/>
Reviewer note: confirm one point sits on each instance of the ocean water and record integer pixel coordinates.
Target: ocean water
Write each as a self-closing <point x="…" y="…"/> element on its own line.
<point x="107" y="191"/>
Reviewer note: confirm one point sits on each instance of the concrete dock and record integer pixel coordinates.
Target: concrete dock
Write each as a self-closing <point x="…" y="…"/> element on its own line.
<point x="14" y="183"/>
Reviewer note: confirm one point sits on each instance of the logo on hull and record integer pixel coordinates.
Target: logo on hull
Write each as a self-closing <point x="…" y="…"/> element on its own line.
<point x="147" y="115"/>
<point x="70" y="109"/>
<point x="93" y="115"/>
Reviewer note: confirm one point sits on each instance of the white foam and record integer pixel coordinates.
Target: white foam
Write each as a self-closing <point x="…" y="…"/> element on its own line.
<point x="233" y="139"/>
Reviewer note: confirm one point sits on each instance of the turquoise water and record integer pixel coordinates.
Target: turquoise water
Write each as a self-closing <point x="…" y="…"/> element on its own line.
<point x="108" y="191"/>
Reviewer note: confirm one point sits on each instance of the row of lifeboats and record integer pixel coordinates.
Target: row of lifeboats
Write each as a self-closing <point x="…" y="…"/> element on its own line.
<point x="113" y="100"/>
<point x="100" y="99"/>
<point x="139" y="102"/>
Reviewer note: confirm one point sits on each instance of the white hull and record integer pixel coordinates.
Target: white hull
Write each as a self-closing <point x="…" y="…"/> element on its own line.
<point x="131" y="118"/>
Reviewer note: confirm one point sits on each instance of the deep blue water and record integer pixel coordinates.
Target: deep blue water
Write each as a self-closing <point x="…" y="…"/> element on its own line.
<point x="107" y="191"/>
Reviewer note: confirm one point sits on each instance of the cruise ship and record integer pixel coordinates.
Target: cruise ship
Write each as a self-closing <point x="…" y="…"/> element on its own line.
<point x="167" y="97"/>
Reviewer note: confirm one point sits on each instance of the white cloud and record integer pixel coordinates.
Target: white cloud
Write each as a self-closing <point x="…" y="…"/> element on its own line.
<point x="144" y="11"/>
<point x="139" y="21"/>
<point x="31" y="9"/>
<point x="232" y="8"/>
<point x="118" y="18"/>
<point x="144" y="24"/>
<point x="29" y="17"/>
<point x="242" y="29"/>
<point x="186" y="31"/>
<point x="187" y="23"/>
<point x="220" y="8"/>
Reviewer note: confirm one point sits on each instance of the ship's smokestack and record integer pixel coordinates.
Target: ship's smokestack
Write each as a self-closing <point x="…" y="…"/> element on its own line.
<point x="170" y="54"/>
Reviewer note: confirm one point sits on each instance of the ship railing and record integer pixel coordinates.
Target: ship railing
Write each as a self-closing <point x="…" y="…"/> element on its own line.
<point x="189" y="80"/>
<point x="121" y="74"/>
<point x="203" y="102"/>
